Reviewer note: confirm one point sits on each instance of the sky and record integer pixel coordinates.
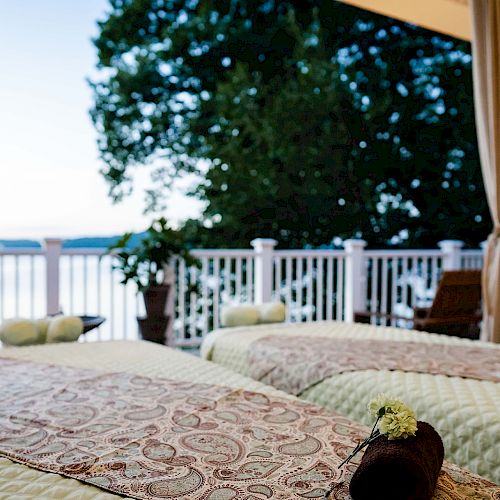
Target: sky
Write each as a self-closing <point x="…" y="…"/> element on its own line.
<point x="50" y="185"/>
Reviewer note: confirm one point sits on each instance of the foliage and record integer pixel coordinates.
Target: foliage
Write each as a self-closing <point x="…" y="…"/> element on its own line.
<point x="145" y="262"/>
<point x="313" y="120"/>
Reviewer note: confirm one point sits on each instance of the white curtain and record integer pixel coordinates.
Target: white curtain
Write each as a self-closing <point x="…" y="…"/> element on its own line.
<point x="486" y="74"/>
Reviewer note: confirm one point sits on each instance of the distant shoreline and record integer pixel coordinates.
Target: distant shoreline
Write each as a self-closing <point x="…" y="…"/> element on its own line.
<point x="86" y="242"/>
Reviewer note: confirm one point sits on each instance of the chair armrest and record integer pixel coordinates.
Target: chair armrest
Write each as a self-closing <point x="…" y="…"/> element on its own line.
<point x="366" y="316"/>
<point x="456" y="320"/>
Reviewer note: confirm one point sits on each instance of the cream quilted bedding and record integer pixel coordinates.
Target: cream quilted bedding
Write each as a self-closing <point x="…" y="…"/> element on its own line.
<point x="23" y="483"/>
<point x="465" y="412"/>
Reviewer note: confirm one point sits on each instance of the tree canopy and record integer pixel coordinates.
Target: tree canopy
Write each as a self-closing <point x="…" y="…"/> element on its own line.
<point x="306" y="120"/>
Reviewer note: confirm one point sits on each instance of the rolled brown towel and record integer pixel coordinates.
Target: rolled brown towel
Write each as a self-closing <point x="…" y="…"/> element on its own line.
<point x="402" y="469"/>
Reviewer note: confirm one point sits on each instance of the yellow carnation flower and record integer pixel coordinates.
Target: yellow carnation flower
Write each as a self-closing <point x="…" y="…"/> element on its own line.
<point x="382" y="404"/>
<point x="394" y="419"/>
<point x="398" y="425"/>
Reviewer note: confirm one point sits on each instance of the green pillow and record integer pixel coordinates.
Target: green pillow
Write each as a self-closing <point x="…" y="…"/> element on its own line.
<point x="19" y="331"/>
<point x="64" y="329"/>
<point x="239" y="315"/>
<point x="271" y="312"/>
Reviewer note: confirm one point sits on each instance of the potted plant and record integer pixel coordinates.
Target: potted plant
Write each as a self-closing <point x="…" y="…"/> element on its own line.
<point x="148" y="264"/>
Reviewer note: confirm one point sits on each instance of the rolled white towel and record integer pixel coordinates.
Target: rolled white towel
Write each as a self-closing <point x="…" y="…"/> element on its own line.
<point x="64" y="329"/>
<point x="19" y="331"/>
<point x="239" y="315"/>
<point x="271" y="312"/>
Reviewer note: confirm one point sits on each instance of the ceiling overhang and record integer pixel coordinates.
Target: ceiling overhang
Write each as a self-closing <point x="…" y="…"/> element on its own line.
<point x="450" y="17"/>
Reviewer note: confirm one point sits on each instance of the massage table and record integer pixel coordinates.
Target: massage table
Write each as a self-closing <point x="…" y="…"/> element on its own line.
<point x="465" y="411"/>
<point x="128" y="359"/>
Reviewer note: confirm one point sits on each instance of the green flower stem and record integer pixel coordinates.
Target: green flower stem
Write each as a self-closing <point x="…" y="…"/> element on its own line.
<point x="375" y="425"/>
<point x="374" y="434"/>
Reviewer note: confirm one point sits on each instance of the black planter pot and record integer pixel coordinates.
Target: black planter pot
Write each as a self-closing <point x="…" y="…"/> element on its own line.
<point x="155" y="300"/>
<point x="154" y="329"/>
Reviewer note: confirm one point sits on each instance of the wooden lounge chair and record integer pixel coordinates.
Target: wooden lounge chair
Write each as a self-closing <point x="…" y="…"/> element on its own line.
<point x="455" y="310"/>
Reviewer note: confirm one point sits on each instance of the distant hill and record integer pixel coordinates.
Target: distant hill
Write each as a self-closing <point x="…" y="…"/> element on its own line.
<point x="19" y="244"/>
<point x="87" y="242"/>
<point x="100" y="241"/>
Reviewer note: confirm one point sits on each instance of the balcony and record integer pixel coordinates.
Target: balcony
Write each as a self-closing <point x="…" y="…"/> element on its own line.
<point x="315" y="285"/>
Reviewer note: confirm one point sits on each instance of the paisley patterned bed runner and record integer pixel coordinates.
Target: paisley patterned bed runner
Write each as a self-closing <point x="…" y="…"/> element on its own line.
<point x="293" y="364"/>
<point x="157" y="438"/>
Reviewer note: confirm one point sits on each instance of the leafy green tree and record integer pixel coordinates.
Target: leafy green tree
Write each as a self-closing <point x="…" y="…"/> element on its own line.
<point x="281" y="169"/>
<point x="306" y="120"/>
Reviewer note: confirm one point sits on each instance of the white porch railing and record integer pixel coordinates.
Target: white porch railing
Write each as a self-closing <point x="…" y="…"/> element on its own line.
<point x="314" y="284"/>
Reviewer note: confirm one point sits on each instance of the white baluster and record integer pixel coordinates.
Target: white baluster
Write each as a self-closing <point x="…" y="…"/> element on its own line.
<point x="355" y="278"/>
<point x="52" y="248"/>
<point x="451" y="254"/>
<point x="263" y="270"/>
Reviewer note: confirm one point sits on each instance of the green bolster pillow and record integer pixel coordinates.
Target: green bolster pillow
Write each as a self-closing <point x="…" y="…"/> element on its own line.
<point x="19" y="332"/>
<point x="43" y="326"/>
<point x="250" y="314"/>
<point x="271" y="312"/>
<point x="64" y="329"/>
<point x="242" y="315"/>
